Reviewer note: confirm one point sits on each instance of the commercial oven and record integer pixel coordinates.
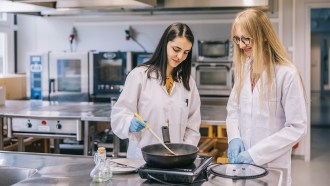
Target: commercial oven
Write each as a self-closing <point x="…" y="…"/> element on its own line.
<point x="58" y="76"/>
<point x="108" y="72"/>
<point x="214" y="78"/>
<point x="213" y="70"/>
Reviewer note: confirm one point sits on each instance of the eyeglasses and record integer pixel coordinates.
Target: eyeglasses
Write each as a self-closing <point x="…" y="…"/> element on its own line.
<point x="245" y="40"/>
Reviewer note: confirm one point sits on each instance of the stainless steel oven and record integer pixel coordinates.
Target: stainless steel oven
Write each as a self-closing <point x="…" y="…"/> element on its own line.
<point x="214" y="79"/>
<point x="215" y="50"/>
<point x="58" y="76"/>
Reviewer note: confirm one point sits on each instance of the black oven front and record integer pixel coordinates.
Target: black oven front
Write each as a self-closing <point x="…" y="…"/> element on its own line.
<point x="108" y="72"/>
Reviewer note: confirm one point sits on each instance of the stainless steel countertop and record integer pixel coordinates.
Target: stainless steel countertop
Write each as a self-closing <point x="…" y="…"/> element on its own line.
<point x="74" y="170"/>
<point x="88" y="111"/>
<point x="11" y="106"/>
<point x="45" y="109"/>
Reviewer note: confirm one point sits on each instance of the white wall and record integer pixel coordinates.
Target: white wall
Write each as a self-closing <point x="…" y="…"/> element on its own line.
<point x="42" y="34"/>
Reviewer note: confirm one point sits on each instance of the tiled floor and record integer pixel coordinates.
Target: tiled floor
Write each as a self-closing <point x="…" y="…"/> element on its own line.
<point x="317" y="171"/>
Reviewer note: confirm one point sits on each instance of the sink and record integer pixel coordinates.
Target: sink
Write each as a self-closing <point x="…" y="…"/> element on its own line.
<point x="12" y="175"/>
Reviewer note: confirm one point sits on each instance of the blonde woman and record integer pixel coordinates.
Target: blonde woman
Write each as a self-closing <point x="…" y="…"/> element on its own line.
<point x="267" y="107"/>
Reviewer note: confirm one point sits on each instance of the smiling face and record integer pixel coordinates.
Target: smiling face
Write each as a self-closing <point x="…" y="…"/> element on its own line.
<point x="177" y="52"/>
<point x="247" y="47"/>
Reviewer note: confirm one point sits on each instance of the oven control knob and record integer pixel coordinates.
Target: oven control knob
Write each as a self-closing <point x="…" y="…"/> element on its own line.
<point x="29" y="125"/>
<point x="58" y="126"/>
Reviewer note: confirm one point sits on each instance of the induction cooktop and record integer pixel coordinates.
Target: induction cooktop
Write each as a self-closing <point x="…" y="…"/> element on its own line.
<point x="195" y="172"/>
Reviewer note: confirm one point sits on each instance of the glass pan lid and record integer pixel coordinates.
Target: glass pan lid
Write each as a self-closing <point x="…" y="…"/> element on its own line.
<point x="238" y="171"/>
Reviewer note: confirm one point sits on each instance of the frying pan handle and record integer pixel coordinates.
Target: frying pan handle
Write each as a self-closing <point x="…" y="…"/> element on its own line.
<point x="166" y="134"/>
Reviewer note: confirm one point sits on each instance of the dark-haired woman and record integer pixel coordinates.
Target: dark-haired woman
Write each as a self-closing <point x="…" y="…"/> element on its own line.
<point x="163" y="93"/>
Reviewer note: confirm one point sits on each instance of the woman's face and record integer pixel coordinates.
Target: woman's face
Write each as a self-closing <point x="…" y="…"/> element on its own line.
<point x="177" y="51"/>
<point x="244" y="41"/>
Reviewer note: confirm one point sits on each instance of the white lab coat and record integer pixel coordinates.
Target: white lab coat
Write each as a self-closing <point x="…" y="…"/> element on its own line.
<point x="147" y="97"/>
<point x="269" y="129"/>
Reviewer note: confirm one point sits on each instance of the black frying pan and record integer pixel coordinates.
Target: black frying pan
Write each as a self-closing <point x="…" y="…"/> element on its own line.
<point x="157" y="156"/>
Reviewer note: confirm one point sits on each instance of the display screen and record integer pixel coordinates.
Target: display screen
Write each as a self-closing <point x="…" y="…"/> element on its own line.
<point x="37" y="84"/>
<point x="36" y="75"/>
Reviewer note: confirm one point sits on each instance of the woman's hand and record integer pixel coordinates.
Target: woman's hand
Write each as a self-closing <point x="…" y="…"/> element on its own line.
<point x="235" y="147"/>
<point x="136" y="125"/>
<point x="244" y="157"/>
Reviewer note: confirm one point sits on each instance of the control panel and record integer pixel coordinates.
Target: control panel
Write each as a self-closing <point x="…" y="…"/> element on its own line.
<point x="36" y="77"/>
<point x="47" y="126"/>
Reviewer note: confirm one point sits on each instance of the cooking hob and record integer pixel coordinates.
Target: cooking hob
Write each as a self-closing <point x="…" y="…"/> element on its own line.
<point x="196" y="172"/>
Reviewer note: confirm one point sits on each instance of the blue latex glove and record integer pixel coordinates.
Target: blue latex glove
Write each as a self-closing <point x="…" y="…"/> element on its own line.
<point x="244" y="157"/>
<point x="136" y="125"/>
<point x="235" y="147"/>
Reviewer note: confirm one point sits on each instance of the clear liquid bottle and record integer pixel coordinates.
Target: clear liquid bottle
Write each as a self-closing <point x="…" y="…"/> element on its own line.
<point x="101" y="172"/>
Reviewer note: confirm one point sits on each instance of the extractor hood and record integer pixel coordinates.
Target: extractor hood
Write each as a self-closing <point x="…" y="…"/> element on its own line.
<point x="76" y="7"/>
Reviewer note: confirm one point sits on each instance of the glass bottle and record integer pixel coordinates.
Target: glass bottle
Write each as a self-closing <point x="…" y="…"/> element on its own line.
<point x="101" y="172"/>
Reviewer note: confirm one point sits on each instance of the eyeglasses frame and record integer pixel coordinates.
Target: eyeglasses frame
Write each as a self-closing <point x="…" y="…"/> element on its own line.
<point x="239" y="39"/>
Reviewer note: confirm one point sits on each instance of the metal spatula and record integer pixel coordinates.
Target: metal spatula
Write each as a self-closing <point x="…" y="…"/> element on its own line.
<point x="153" y="133"/>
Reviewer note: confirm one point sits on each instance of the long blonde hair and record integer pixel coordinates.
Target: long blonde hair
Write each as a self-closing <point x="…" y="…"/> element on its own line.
<point x="267" y="48"/>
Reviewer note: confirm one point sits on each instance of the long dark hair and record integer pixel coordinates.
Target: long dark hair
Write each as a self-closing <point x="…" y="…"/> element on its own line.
<point x="158" y="61"/>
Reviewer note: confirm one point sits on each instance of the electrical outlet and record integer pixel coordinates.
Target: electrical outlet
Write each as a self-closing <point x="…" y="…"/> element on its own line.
<point x="128" y="33"/>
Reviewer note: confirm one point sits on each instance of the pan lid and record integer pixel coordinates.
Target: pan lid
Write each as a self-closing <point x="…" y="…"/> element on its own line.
<point x="238" y="171"/>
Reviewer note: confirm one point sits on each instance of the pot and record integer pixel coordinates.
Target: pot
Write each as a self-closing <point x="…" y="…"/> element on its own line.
<point x="157" y="156"/>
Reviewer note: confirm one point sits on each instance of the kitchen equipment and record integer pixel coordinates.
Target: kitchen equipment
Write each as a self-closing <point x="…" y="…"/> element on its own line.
<point x="214" y="78"/>
<point x="56" y="120"/>
<point x="166" y="134"/>
<point x="83" y="7"/>
<point x="108" y="71"/>
<point x="58" y="76"/>
<point x="157" y="156"/>
<point x="68" y="76"/>
<point x="38" y="72"/>
<point x="139" y="58"/>
<point x="153" y="133"/>
<point x="238" y="171"/>
<point x="214" y="51"/>
<point x="195" y="172"/>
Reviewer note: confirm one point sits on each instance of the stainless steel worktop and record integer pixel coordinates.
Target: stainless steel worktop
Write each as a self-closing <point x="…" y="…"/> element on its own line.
<point x="213" y="112"/>
<point x="42" y="110"/>
<point x="45" y="109"/>
<point x="74" y="170"/>
<point x="88" y="111"/>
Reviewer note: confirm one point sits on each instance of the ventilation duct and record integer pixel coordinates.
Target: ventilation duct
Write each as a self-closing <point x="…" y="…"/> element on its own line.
<point x="76" y="7"/>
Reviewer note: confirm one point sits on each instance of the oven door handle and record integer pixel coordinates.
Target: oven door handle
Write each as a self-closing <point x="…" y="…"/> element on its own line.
<point x="212" y="65"/>
<point x="50" y="82"/>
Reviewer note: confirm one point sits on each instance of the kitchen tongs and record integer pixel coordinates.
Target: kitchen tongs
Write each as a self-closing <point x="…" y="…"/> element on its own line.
<point x="153" y="133"/>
